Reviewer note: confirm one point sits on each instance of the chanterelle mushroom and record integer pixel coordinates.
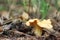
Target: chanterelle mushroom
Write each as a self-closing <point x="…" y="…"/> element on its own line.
<point x="46" y="24"/>
<point x="36" y="28"/>
<point x="38" y="25"/>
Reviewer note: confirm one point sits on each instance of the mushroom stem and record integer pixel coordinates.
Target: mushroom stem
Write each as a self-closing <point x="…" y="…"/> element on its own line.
<point x="37" y="31"/>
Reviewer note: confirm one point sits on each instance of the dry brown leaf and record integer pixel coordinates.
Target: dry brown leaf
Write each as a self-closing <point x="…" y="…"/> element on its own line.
<point x="5" y="14"/>
<point x="24" y="16"/>
<point x="1" y="29"/>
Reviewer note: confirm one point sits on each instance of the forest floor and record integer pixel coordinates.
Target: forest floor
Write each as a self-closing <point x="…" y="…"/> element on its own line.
<point x="13" y="27"/>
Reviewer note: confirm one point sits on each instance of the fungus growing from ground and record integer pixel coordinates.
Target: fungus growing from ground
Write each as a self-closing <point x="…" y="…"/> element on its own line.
<point x="46" y="24"/>
<point x="36" y="28"/>
<point x="38" y="25"/>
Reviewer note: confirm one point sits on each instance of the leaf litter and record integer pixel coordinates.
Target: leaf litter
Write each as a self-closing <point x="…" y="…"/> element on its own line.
<point x="25" y="24"/>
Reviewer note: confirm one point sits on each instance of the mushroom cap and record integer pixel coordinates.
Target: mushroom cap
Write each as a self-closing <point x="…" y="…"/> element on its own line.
<point x="42" y="24"/>
<point x="45" y="24"/>
<point x="28" y="23"/>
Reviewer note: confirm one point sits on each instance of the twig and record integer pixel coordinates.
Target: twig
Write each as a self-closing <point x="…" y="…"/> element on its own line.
<point x="17" y="33"/>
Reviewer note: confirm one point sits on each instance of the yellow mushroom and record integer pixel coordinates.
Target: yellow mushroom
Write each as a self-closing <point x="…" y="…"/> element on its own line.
<point x="46" y="24"/>
<point x="36" y="28"/>
<point x="39" y="25"/>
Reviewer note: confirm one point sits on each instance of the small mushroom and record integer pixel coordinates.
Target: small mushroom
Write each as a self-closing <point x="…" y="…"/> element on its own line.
<point x="36" y="28"/>
<point x="38" y="25"/>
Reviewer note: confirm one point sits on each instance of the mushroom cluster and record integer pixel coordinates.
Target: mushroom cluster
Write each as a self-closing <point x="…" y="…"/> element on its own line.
<point x="38" y="25"/>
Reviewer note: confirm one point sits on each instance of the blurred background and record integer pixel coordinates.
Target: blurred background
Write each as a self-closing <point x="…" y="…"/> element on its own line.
<point x="35" y="8"/>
